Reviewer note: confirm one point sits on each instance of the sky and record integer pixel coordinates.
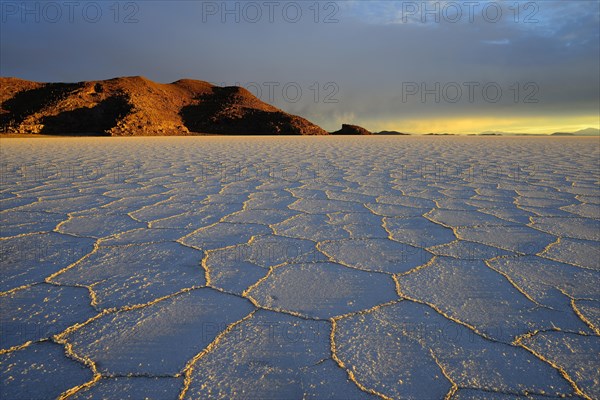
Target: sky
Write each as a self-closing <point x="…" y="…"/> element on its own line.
<point x="411" y="66"/>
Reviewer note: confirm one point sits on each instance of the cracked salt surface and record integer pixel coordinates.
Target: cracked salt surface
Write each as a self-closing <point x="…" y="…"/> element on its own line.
<point x="302" y="268"/>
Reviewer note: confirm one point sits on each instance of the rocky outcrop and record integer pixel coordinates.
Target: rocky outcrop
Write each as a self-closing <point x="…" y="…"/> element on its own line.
<point x="136" y="106"/>
<point x="351" y="130"/>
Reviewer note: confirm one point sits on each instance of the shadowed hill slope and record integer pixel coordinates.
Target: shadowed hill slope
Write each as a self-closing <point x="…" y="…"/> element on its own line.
<point x="135" y="106"/>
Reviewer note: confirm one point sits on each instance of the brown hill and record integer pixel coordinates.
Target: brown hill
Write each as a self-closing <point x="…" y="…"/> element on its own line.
<point x="135" y="106"/>
<point x="351" y="130"/>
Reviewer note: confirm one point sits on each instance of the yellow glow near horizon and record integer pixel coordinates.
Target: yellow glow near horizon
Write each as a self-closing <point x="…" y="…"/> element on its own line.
<point x="465" y="125"/>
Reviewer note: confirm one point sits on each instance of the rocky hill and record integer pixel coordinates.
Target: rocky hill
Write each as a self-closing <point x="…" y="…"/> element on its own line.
<point x="136" y="106"/>
<point x="348" y="129"/>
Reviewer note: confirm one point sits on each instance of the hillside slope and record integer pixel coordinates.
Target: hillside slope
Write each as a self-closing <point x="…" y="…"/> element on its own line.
<point x="136" y="106"/>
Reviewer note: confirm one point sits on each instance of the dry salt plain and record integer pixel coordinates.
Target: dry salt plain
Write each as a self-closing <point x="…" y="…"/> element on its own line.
<point x="300" y="268"/>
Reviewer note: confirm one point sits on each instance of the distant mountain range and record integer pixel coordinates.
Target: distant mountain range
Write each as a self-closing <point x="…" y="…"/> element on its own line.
<point x="135" y="106"/>
<point x="582" y="132"/>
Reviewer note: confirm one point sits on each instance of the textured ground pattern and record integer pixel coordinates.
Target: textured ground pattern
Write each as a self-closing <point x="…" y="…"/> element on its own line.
<point x="300" y="268"/>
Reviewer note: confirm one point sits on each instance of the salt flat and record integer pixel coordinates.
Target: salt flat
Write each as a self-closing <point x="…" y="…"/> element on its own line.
<point x="300" y="267"/>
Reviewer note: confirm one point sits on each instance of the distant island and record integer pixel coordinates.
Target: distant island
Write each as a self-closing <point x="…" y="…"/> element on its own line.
<point x="348" y="129"/>
<point x="391" y="133"/>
